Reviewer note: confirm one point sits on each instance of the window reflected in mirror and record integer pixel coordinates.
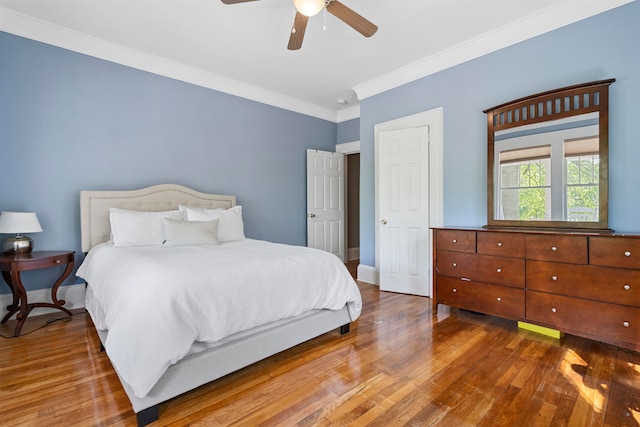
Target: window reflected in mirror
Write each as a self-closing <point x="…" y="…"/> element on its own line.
<point x="525" y="189"/>
<point x="549" y="171"/>
<point x="582" y="178"/>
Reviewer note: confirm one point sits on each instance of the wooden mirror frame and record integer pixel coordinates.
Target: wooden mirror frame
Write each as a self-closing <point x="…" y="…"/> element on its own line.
<point x="540" y="108"/>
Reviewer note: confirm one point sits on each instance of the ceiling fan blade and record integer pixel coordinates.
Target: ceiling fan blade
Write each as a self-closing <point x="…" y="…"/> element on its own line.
<point x="235" y="1"/>
<point x="297" y="31"/>
<point x="351" y="18"/>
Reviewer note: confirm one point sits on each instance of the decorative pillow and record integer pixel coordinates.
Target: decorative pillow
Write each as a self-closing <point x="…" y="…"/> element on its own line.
<point x="190" y="233"/>
<point x="184" y="210"/>
<point x="138" y="228"/>
<point x="231" y="226"/>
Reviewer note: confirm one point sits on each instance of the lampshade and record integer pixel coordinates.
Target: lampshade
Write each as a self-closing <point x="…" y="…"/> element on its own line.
<point x="309" y="7"/>
<point x="18" y="223"/>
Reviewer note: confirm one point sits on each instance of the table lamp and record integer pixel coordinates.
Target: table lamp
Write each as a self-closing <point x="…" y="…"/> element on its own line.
<point x="18" y="223"/>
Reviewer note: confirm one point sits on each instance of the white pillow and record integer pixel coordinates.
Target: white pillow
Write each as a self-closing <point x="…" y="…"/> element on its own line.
<point x="183" y="212"/>
<point x="190" y="233"/>
<point x="231" y="226"/>
<point x="138" y="228"/>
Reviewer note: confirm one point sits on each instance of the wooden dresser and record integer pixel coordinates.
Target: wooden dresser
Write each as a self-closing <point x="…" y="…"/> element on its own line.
<point x="585" y="284"/>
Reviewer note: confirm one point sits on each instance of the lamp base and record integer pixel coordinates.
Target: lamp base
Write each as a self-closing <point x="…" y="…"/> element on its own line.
<point x="17" y="245"/>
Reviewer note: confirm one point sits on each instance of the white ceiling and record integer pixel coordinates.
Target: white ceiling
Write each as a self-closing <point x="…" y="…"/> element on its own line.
<point x="241" y="48"/>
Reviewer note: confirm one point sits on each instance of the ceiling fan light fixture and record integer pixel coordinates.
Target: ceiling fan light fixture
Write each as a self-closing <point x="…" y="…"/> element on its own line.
<point x="309" y="7"/>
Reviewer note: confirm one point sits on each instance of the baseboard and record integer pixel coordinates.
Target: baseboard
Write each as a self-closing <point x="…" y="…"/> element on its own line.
<point x="367" y="274"/>
<point x="353" y="254"/>
<point x="73" y="295"/>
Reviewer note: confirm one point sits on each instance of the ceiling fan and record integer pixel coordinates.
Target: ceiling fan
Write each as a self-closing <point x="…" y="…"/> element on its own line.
<point x="308" y="8"/>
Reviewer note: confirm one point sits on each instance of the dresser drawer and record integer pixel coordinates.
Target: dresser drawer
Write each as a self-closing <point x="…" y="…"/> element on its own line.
<point x="502" y="244"/>
<point x="496" y="300"/>
<point x="456" y="240"/>
<point x="456" y="264"/>
<point x="555" y="248"/>
<point x="612" y="323"/>
<point x="585" y="281"/>
<point x="614" y="252"/>
<point x="481" y="268"/>
<point x="500" y="270"/>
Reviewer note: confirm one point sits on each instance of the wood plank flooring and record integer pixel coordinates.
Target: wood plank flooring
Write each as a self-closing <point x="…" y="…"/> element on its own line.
<point x="399" y="365"/>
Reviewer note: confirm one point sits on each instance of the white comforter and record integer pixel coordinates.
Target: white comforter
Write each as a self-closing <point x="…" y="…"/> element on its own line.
<point x="156" y="301"/>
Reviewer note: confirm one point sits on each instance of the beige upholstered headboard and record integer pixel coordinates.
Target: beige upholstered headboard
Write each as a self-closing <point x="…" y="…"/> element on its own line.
<point x="94" y="206"/>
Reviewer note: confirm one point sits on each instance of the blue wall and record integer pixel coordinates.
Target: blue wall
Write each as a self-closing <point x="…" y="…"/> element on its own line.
<point x="78" y="122"/>
<point x="70" y="122"/>
<point x="348" y="131"/>
<point x="601" y="47"/>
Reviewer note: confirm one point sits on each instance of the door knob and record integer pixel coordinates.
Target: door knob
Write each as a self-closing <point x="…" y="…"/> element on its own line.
<point x="383" y="222"/>
<point x="312" y="215"/>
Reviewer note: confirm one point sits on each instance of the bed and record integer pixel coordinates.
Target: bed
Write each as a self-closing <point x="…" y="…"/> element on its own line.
<point x="162" y="284"/>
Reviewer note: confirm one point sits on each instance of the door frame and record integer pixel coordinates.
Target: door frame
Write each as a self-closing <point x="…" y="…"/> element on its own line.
<point x="347" y="148"/>
<point x="434" y="119"/>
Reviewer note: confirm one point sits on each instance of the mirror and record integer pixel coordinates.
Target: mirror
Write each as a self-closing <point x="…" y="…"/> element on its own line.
<point x="548" y="159"/>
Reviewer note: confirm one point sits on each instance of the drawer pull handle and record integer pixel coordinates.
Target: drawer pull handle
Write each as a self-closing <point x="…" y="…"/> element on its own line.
<point x="499" y="270"/>
<point x="554" y="249"/>
<point x="627" y="253"/>
<point x="553" y="310"/>
<point x="626" y="324"/>
<point x="499" y="299"/>
<point x="554" y="278"/>
<point x="455" y="264"/>
<point x="626" y="287"/>
<point x="57" y="261"/>
<point x="455" y="241"/>
<point x="465" y="279"/>
<point x="455" y="290"/>
<point x="499" y="244"/>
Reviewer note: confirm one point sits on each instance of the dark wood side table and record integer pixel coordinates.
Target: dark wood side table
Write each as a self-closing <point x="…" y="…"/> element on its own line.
<point x="11" y="267"/>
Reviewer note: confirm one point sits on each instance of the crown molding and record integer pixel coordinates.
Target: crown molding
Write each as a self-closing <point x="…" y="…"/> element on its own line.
<point x="560" y="15"/>
<point x="348" y="114"/>
<point x="551" y="18"/>
<point x="46" y="32"/>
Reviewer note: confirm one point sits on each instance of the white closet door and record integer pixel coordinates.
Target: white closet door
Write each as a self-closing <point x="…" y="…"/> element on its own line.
<point x="404" y="211"/>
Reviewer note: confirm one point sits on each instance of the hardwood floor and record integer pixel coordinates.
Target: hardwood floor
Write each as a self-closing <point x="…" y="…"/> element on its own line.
<point x="399" y="365"/>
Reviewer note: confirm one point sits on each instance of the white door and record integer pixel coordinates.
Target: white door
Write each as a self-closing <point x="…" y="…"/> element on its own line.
<point x="325" y="201"/>
<point x="403" y="162"/>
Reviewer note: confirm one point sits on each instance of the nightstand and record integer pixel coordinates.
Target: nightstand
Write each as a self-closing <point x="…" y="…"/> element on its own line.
<point x="11" y="267"/>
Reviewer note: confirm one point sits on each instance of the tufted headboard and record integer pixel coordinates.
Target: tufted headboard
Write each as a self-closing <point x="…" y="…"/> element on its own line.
<point x="95" y="226"/>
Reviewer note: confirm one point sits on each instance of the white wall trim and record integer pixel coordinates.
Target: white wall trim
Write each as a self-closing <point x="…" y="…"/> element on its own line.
<point x="348" y="114"/>
<point x="56" y="35"/>
<point x="435" y="120"/>
<point x="367" y="274"/>
<point x="72" y="294"/>
<point x="551" y="18"/>
<point x="352" y="147"/>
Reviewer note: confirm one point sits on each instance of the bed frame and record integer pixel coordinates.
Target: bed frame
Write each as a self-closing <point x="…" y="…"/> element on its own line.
<point x="234" y="352"/>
